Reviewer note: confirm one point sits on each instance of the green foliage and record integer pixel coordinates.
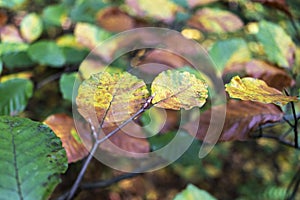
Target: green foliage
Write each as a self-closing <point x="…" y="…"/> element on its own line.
<point x="224" y="53"/>
<point x="193" y="193"/>
<point x="55" y="14"/>
<point x="14" y="96"/>
<point x="278" y="46"/>
<point x="66" y="84"/>
<point x="47" y="53"/>
<point x="32" y="158"/>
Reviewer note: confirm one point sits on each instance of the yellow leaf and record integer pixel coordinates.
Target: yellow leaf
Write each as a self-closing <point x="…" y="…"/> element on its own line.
<point x="174" y="90"/>
<point x="256" y="90"/>
<point x="109" y="99"/>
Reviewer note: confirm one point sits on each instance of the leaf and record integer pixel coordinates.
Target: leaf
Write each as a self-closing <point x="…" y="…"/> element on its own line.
<point x="113" y="98"/>
<point x="90" y="35"/>
<point x="31" y="27"/>
<point x="31" y="158"/>
<point x="277" y="44"/>
<point x="279" y="4"/>
<point x="193" y="193"/>
<point x="47" y="53"/>
<point x="227" y="52"/>
<point x="17" y="60"/>
<point x="156" y="9"/>
<point x="10" y="34"/>
<point x="242" y="117"/>
<point x="63" y="126"/>
<point x="11" y="3"/>
<point x="256" y="90"/>
<point x="66" y="84"/>
<point x="115" y="20"/>
<point x="130" y="141"/>
<point x="272" y="75"/>
<point x="215" y="21"/>
<point x="6" y="48"/>
<point x="55" y="14"/>
<point x="175" y="90"/>
<point x="14" y="95"/>
<point x="194" y="3"/>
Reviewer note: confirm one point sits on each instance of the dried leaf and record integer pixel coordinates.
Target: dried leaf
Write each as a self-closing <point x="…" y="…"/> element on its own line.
<point x="130" y="141"/>
<point x="256" y="90"/>
<point x="157" y="9"/>
<point x="115" y="20"/>
<point x="10" y="33"/>
<point x="279" y="4"/>
<point x="194" y="3"/>
<point x="271" y="36"/>
<point x="110" y="98"/>
<point x="242" y="117"/>
<point x="272" y="75"/>
<point x="174" y="90"/>
<point x="215" y="21"/>
<point x="63" y="126"/>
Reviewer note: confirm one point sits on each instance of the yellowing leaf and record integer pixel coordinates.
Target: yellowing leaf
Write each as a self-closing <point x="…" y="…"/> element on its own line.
<point x="174" y="90"/>
<point x="256" y="90"/>
<point x="158" y="9"/>
<point x="215" y="21"/>
<point x="31" y="27"/>
<point x="110" y="98"/>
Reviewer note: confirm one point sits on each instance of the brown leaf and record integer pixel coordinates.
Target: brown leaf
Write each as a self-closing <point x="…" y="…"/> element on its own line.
<point x="129" y="141"/>
<point x="278" y="4"/>
<point x="63" y="126"/>
<point x="115" y="20"/>
<point x="10" y="33"/>
<point x="215" y="21"/>
<point x="3" y="18"/>
<point x="194" y="3"/>
<point x="272" y="75"/>
<point x="242" y="117"/>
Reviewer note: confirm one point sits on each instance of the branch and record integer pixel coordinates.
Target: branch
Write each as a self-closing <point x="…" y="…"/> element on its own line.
<point x="96" y="145"/>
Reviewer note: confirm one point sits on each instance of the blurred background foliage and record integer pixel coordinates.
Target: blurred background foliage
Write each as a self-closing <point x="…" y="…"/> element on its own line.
<point x="44" y="43"/>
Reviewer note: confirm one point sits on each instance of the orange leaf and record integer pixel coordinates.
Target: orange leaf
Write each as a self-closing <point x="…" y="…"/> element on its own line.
<point x="242" y="117"/>
<point x="63" y="126"/>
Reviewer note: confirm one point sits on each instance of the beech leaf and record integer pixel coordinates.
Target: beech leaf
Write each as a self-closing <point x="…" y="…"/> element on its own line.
<point x="63" y="126"/>
<point x="278" y="45"/>
<point x="242" y="117"/>
<point x="215" y="21"/>
<point x="111" y="98"/>
<point x="174" y="90"/>
<point x="256" y="90"/>
<point x="31" y="27"/>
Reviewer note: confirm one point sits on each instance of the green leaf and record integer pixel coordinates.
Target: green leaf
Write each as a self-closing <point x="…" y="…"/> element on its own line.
<point x="1" y="66"/>
<point x="173" y="89"/>
<point x="31" y="27"/>
<point x="66" y="84"/>
<point x="55" y="14"/>
<point x="11" y="3"/>
<point x="17" y="59"/>
<point x="193" y="193"/>
<point x="73" y="55"/>
<point x="227" y="52"/>
<point x="6" y="48"/>
<point x="47" y="53"/>
<point x="277" y="44"/>
<point x="31" y="157"/>
<point x="14" y="95"/>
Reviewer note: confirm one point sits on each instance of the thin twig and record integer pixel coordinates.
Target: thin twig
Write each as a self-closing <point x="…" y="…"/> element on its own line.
<point x="295" y="125"/>
<point x="95" y="147"/>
